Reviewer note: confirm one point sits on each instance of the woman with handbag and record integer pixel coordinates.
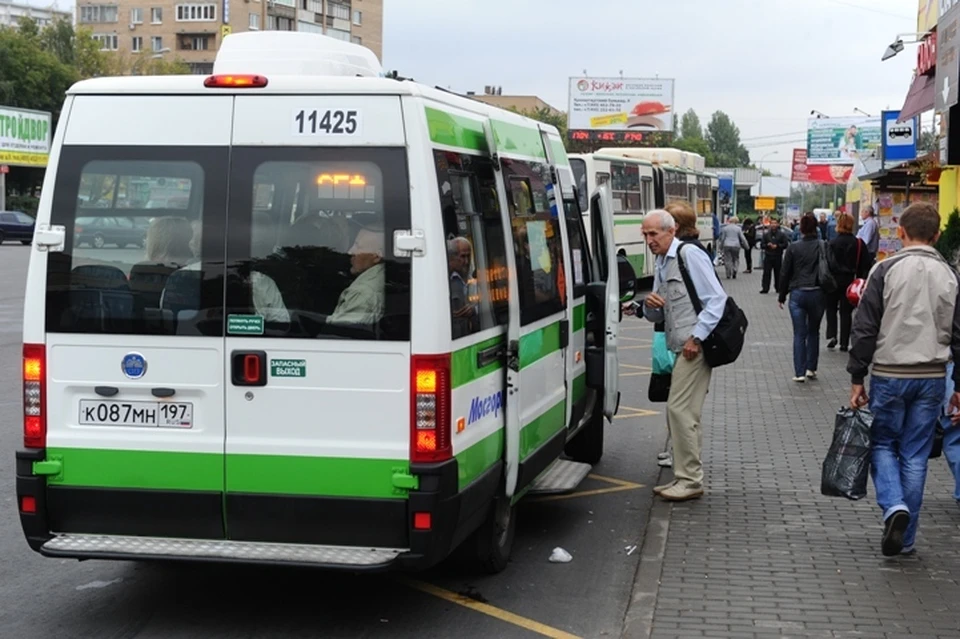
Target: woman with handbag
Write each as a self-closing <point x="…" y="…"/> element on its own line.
<point x="802" y="276"/>
<point x="849" y="260"/>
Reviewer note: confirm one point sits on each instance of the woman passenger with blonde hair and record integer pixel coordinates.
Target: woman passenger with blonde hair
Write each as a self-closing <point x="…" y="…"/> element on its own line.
<point x="169" y="241"/>
<point x="686" y="220"/>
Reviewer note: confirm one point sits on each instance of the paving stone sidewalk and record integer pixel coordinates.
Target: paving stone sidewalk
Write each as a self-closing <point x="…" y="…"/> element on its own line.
<point x="764" y="554"/>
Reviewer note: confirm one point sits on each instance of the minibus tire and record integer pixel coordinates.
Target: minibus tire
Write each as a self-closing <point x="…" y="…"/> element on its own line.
<point x="493" y="540"/>
<point x="587" y="445"/>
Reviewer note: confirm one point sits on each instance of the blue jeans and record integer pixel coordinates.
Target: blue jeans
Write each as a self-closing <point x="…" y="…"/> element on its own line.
<point x="806" y="310"/>
<point x="951" y="435"/>
<point x="905" y="413"/>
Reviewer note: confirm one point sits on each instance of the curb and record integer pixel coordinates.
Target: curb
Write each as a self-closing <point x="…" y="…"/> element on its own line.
<point x="638" y="621"/>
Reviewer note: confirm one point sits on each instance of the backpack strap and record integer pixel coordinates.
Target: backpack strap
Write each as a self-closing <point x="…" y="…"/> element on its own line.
<point x="688" y="282"/>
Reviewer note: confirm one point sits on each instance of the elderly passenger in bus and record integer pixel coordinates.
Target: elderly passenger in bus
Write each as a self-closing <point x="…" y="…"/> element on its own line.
<point x="362" y="302"/>
<point x="459" y="254"/>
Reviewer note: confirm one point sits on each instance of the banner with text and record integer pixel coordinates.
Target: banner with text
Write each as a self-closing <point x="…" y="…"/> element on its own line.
<point x="24" y="137"/>
<point x="842" y="140"/>
<point x="818" y="173"/>
<point x="621" y="104"/>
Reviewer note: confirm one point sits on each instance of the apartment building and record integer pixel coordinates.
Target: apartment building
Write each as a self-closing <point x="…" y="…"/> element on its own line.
<point x="193" y="31"/>
<point x="11" y="12"/>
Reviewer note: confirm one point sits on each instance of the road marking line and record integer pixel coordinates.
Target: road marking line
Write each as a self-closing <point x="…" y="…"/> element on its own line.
<point x="620" y="485"/>
<point x="642" y="368"/>
<point x="634" y="374"/>
<point x="487" y="609"/>
<point x="636" y="413"/>
<point x="635" y="348"/>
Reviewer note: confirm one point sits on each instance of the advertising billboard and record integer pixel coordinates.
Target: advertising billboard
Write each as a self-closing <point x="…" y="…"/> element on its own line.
<point x="842" y="140"/>
<point x="818" y="173"/>
<point x="726" y="195"/>
<point x="621" y="104"/>
<point x="24" y="137"/>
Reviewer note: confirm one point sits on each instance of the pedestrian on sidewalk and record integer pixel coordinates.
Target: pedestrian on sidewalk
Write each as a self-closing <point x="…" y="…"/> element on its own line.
<point x="685" y="330"/>
<point x="731" y="241"/>
<point x="869" y="233"/>
<point x="801" y="264"/>
<point x="951" y="434"/>
<point x="849" y="261"/>
<point x="750" y="233"/>
<point x="774" y="243"/>
<point x="907" y="327"/>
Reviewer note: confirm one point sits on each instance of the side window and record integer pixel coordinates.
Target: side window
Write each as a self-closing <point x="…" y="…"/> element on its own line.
<point x="599" y="240"/>
<point x="476" y="251"/>
<point x="647" y="188"/>
<point x="143" y="271"/>
<point x="536" y="239"/>
<point x="579" y="251"/>
<point x="310" y="246"/>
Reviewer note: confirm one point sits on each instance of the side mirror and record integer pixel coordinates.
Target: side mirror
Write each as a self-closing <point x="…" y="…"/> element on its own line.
<point x="628" y="278"/>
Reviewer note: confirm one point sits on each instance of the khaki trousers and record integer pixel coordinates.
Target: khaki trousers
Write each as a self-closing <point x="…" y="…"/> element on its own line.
<point x="688" y="390"/>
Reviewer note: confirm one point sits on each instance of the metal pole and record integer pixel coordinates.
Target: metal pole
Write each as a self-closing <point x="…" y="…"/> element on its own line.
<point x="3" y="191"/>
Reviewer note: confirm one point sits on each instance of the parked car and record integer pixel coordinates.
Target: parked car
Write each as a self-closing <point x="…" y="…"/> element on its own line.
<point x="98" y="232"/>
<point x="16" y="225"/>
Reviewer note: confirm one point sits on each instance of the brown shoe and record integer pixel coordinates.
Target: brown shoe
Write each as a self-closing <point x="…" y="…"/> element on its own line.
<point x="682" y="493"/>
<point x="659" y="489"/>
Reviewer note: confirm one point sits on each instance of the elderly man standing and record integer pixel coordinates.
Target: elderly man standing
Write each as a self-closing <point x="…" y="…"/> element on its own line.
<point x="870" y="233"/>
<point x="685" y="331"/>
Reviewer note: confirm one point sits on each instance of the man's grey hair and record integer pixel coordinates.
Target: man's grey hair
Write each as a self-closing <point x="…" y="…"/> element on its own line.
<point x="454" y="244"/>
<point x="666" y="220"/>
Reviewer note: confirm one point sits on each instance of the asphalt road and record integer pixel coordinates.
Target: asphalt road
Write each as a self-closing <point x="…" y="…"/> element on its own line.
<point x="41" y="597"/>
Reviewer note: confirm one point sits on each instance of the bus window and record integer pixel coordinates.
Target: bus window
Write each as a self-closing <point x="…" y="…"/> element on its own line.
<point x="580" y="179"/>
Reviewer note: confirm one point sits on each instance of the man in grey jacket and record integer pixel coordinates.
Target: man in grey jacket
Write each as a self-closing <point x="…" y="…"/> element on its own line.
<point x="731" y="241"/>
<point x="685" y="331"/>
<point x="908" y="327"/>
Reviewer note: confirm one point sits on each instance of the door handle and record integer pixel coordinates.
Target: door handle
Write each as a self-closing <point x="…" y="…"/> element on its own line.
<point x="248" y="368"/>
<point x="490" y="355"/>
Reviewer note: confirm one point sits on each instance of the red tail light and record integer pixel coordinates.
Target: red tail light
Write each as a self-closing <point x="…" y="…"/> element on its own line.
<point x="34" y="396"/>
<point x="430" y="409"/>
<point x="251" y="369"/>
<point x="239" y="81"/>
<point x="28" y="504"/>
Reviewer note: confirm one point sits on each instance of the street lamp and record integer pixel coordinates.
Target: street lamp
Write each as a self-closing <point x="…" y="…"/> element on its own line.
<point x="819" y="115"/>
<point x="896" y="46"/>
<point x="856" y="110"/>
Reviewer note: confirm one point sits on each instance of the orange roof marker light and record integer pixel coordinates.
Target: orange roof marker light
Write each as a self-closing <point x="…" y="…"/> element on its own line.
<point x="338" y="179"/>
<point x="237" y="81"/>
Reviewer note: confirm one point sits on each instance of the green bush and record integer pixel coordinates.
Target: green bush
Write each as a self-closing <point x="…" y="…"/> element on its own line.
<point x="949" y="243"/>
<point x="26" y="203"/>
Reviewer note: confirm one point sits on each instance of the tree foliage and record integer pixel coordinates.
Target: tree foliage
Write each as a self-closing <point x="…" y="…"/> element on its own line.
<point x="949" y="242"/>
<point x="37" y="66"/>
<point x="723" y="136"/>
<point x="690" y="127"/>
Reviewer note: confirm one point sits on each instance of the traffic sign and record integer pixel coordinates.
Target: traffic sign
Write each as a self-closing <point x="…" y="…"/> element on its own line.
<point x="4" y="168"/>
<point x="765" y="203"/>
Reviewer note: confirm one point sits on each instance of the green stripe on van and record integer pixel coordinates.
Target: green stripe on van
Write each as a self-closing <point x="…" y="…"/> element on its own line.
<point x="159" y="470"/>
<point x="579" y="317"/>
<point x="463" y="363"/>
<point x="579" y="387"/>
<point x="270" y="474"/>
<point x="537" y="432"/>
<point x="538" y="344"/>
<point x="518" y="140"/>
<point x="454" y="130"/>
<point x="333" y="476"/>
<point x="474" y="461"/>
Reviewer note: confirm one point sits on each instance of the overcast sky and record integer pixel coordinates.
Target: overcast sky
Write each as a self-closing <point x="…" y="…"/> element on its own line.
<point x="767" y="63"/>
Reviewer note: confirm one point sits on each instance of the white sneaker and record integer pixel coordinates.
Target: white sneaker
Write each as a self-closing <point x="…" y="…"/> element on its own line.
<point x="663" y="455"/>
<point x="800" y="379"/>
<point x="811" y="374"/>
<point x="665" y="463"/>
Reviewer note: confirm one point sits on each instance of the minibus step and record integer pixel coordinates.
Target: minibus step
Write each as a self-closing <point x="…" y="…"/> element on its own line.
<point x="105" y="546"/>
<point x="562" y="477"/>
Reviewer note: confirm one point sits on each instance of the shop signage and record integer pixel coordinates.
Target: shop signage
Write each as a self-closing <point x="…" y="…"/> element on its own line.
<point x="927" y="54"/>
<point x="948" y="71"/>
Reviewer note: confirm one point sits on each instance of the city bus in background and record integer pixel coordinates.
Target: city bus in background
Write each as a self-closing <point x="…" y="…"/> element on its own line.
<point x="644" y="179"/>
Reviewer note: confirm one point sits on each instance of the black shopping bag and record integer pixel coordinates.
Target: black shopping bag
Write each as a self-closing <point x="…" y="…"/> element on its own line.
<point x="847" y="464"/>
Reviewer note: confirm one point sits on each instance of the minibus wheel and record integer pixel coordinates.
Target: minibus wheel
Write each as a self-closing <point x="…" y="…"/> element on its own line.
<point x="493" y="541"/>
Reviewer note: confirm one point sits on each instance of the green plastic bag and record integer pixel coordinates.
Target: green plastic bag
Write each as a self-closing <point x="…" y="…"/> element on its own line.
<point x="663" y="357"/>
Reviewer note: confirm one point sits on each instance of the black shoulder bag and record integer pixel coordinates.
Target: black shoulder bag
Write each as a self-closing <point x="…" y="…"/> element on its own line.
<point x="724" y="344"/>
